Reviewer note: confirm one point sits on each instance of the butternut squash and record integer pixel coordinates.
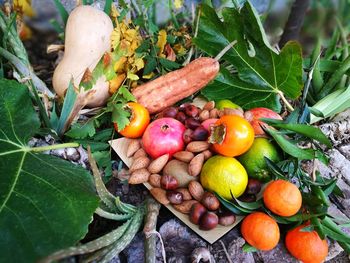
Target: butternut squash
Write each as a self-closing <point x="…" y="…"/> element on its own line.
<point x="87" y="38"/>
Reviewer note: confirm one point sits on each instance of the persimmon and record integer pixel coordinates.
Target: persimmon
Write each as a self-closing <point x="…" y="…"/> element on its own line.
<point x="260" y="231"/>
<point x="282" y="198"/>
<point x="231" y="135"/>
<point x="306" y="246"/>
<point x="139" y="121"/>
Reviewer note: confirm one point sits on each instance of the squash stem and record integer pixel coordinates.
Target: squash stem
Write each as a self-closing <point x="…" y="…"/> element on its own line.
<point x="54" y="147"/>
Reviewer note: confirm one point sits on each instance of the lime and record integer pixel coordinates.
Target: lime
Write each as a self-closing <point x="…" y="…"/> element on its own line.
<point x="222" y="174"/>
<point x="221" y="104"/>
<point x="254" y="162"/>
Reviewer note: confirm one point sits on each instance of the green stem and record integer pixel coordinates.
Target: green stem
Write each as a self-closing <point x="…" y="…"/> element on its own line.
<point x="54" y="147"/>
<point x="285" y="101"/>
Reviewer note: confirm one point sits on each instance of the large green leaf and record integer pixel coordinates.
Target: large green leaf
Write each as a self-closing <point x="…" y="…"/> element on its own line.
<point x="46" y="203"/>
<point x="260" y="72"/>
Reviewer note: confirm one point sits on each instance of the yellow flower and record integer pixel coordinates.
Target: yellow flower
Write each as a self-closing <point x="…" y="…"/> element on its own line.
<point x="115" y="37"/>
<point x="132" y="76"/>
<point x="24" y="7"/>
<point x="120" y="64"/>
<point x="139" y="63"/>
<point x="161" y="40"/>
<point x="148" y="76"/>
<point x="180" y="50"/>
<point x="178" y="4"/>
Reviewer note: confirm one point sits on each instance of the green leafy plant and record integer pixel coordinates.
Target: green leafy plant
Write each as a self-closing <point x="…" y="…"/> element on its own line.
<point x="38" y="191"/>
<point x="257" y="74"/>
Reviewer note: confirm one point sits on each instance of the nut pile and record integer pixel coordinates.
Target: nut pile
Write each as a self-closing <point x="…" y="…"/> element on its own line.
<point x="175" y="178"/>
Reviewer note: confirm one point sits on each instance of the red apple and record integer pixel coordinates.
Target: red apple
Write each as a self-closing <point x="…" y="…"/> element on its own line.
<point x="255" y="114"/>
<point x="162" y="136"/>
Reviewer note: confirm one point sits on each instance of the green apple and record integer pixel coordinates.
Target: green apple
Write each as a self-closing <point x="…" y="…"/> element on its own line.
<point x="221" y="104"/>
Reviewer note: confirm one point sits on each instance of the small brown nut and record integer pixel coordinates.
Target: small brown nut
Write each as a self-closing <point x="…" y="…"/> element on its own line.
<point x="154" y="180"/>
<point x="204" y="115"/>
<point x="208" y="221"/>
<point x="197" y="146"/>
<point x="160" y="195"/>
<point x="185" y="207"/>
<point x="169" y="182"/>
<point x="207" y="154"/>
<point x="140" y="152"/>
<point x="133" y="146"/>
<point x="196" y="190"/>
<point x="139" y="163"/>
<point x="158" y="164"/>
<point x="183" y="156"/>
<point x="139" y="176"/>
<point x="247" y="198"/>
<point x="213" y="114"/>
<point x="185" y="193"/>
<point x="197" y="211"/>
<point x="209" y="105"/>
<point x="221" y="113"/>
<point x="210" y="201"/>
<point x="229" y="111"/>
<point x="226" y="218"/>
<point x="174" y="197"/>
<point x="253" y="187"/>
<point x="196" y="164"/>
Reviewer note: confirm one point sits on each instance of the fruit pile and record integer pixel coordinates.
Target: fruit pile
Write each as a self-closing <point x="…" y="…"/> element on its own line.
<point x="194" y="158"/>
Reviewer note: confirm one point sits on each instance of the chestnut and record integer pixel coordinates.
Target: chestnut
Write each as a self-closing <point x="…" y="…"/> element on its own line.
<point x="174" y="197"/>
<point x="170" y="112"/>
<point x="191" y="123"/>
<point x="253" y="187"/>
<point x="187" y="136"/>
<point x="181" y="117"/>
<point x="197" y="211"/>
<point x="200" y="134"/>
<point x="226" y="218"/>
<point x="247" y="198"/>
<point x="210" y="201"/>
<point x="168" y="182"/>
<point x="208" y="221"/>
<point x="191" y="111"/>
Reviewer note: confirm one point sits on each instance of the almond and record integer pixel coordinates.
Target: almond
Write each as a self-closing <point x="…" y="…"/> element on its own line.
<point x="229" y="111"/>
<point x="207" y="154"/>
<point x="185" y="206"/>
<point x="154" y="180"/>
<point x="196" y="164"/>
<point x="139" y="163"/>
<point x="140" y="153"/>
<point x="221" y="113"/>
<point x="209" y="105"/>
<point x="213" y="113"/>
<point x="139" y="176"/>
<point x="160" y="195"/>
<point x="204" y="115"/>
<point x="186" y="195"/>
<point x="197" y="146"/>
<point x="158" y="164"/>
<point x="133" y="146"/>
<point x="196" y="190"/>
<point x="184" y="156"/>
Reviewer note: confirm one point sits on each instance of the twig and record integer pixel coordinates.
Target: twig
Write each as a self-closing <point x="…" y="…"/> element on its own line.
<point x="226" y="253"/>
<point x="285" y="101"/>
<point x="150" y="229"/>
<point x="190" y="53"/>
<point x="295" y="21"/>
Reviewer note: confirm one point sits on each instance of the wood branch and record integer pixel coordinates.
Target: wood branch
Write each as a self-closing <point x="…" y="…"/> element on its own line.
<point x="149" y="228"/>
<point x="295" y="21"/>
